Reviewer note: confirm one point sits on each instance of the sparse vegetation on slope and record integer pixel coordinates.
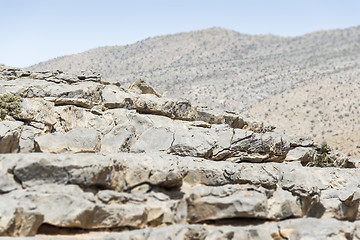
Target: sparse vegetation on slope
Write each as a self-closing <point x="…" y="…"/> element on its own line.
<point x="9" y="106"/>
<point x="327" y="111"/>
<point x="323" y="158"/>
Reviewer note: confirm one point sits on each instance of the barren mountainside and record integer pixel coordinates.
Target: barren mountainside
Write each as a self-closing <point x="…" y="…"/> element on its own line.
<point x="228" y="70"/>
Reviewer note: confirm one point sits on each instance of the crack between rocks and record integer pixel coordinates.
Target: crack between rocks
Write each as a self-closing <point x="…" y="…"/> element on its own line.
<point x="246" y="137"/>
<point x="50" y="229"/>
<point x="236" y="221"/>
<point x="172" y="143"/>
<point x="137" y="185"/>
<point x="221" y="151"/>
<point x="280" y="234"/>
<point x="270" y="174"/>
<point x="71" y="104"/>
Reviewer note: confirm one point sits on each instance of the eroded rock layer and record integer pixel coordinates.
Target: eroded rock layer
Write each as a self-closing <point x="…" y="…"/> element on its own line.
<point x="92" y="159"/>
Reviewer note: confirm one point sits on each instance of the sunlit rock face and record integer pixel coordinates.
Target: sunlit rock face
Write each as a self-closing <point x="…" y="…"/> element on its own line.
<point x="94" y="159"/>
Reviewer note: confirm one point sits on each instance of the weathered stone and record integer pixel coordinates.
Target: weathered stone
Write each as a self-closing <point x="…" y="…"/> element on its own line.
<point x="219" y="117"/>
<point x="196" y="142"/>
<point x="27" y="139"/>
<point x="77" y="140"/>
<point x="119" y="139"/>
<point x="302" y="154"/>
<point x="141" y="87"/>
<point x="70" y="117"/>
<point x="38" y="110"/>
<point x="142" y="161"/>
<point x="82" y="169"/>
<point x="283" y="204"/>
<point x="225" y="202"/>
<point x="267" y="143"/>
<point x="10" y="132"/>
<point x="303" y="228"/>
<point x="15" y="221"/>
<point x="7" y="183"/>
<point x="115" y="97"/>
<point x="70" y="207"/>
<point x="150" y="104"/>
<point x="84" y="92"/>
<point x="153" y="139"/>
<point x="153" y="169"/>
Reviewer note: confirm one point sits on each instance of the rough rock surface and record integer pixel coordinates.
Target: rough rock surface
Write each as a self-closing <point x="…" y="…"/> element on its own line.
<point x="91" y="159"/>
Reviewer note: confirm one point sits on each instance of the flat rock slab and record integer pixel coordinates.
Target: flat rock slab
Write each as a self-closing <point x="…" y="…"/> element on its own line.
<point x="308" y="228"/>
<point x="92" y="191"/>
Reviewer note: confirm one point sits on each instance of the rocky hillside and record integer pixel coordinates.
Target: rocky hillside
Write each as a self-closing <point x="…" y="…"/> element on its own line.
<point x="329" y="110"/>
<point x="86" y="158"/>
<point x="228" y="70"/>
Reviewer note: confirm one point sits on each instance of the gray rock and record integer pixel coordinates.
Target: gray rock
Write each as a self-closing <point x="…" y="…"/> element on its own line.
<point x="7" y="183"/>
<point x="240" y="201"/>
<point x="78" y="140"/>
<point x="119" y="139"/>
<point x="115" y="97"/>
<point x="38" y="110"/>
<point x="217" y="204"/>
<point x="86" y="170"/>
<point x="84" y="94"/>
<point x="70" y="207"/>
<point x="70" y="117"/>
<point x="141" y="87"/>
<point x="10" y="132"/>
<point x="196" y="142"/>
<point x="303" y="228"/>
<point x="302" y="154"/>
<point x="153" y="139"/>
<point x="27" y="143"/>
<point x="268" y="143"/>
<point x="219" y="117"/>
<point x="116" y="159"/>
<point x="15" y="221"/>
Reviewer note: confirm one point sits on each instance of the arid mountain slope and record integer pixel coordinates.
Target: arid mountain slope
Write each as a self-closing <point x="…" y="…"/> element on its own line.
<point x="226" y="69"/>
<point x="327" y="111"/>
<point x="234" y="69"/>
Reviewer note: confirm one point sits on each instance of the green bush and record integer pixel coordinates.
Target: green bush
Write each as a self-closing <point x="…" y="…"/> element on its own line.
<point x="323" y="158"/>
<point x="9" y="106"/>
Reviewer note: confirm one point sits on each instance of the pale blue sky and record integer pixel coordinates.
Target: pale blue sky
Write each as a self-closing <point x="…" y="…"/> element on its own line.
<point x="38" y="30"/>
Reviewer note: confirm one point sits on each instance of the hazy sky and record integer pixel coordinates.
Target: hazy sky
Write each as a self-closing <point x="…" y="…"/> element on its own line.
<point x="38" y="30"/>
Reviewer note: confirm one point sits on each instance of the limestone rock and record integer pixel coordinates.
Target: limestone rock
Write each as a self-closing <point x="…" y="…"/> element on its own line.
<point x="38" y="110"/>
<point x="15" y="221"/>
<point x="88" y="156"/>
<point x="10" y="132"/>
<point x="193" y="142"/>
<point x="115" y="97"/>
<point x="302" y="154"/>
<point x="141" y="87"/>
<point x="118" y="139"/>
<point x="27" y="139"/>
<point x="154" y="139"/>
<point x="82" y="169"/>
<point x="75" y="141"/>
